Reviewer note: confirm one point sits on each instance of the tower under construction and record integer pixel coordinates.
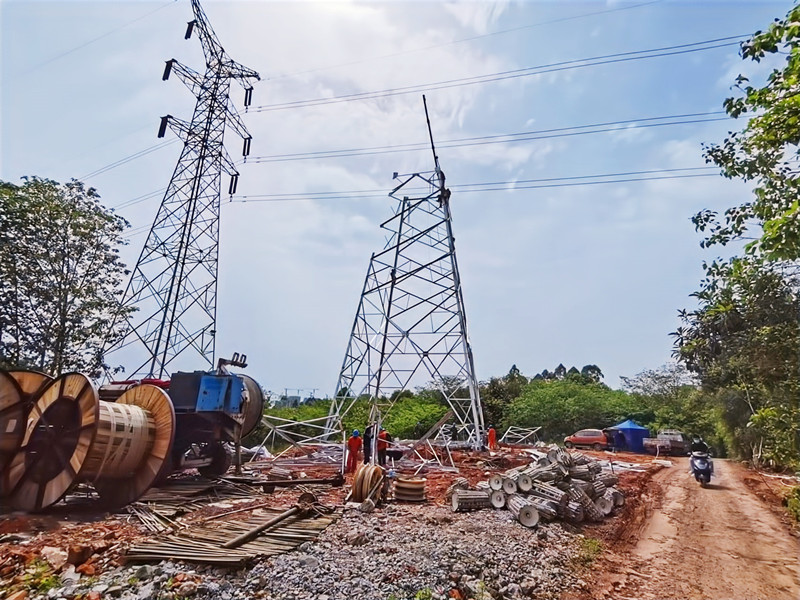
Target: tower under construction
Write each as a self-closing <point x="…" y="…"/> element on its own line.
<point x="410" y="328"/>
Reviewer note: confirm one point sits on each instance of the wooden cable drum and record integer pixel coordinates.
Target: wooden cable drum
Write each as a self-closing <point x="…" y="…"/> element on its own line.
<point x="409" y="490"/>
<point x="523" y="510"/>
<point x="498" y="498"/>
<point x="17" y="390"/>
<point x="365" y="479"/>
<point x="72" y="436"/>
<point x="12" y="420"/>
<point x="30" y="383"/>
<point x="464" y="500"/>
<point x="139" y="457"/>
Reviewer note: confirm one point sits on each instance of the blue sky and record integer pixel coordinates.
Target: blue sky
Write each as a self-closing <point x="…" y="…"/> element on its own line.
<point x="570" y="274"/>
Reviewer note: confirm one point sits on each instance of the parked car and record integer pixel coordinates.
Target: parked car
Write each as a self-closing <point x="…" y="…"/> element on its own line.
<point x="588" y="438"/>
<point x="667" y="441"/>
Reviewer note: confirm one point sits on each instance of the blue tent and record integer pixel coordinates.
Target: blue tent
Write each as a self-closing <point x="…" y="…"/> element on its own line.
<point x="632" y="433"/>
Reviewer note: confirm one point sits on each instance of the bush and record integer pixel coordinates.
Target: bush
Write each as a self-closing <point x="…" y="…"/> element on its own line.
<point x="562" y="407"/>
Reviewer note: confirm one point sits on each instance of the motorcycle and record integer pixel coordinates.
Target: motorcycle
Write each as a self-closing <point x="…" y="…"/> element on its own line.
<point x="702" y="467"/>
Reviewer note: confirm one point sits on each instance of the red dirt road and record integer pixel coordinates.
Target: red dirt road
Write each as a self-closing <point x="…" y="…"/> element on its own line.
<point x="719" y="542"/>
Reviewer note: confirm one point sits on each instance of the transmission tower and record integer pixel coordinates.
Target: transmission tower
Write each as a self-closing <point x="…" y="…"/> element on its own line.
<point x="174" y="284"/>
<point x="410" y="327"/>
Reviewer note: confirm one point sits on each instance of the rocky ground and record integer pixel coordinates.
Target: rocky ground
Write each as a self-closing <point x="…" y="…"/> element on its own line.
<point x="403" y="551"/>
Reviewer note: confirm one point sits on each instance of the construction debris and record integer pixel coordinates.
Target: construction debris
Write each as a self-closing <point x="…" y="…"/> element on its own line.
<point x="234" y="541"/>
<point x="556" y="485"/>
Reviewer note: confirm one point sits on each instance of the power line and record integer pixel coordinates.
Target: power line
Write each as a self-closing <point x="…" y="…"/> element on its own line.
<point x="128" y="158"/>
<point x="609" y="126"/>
<point x="510" y="186"/>
<point x="142" y="198"/>
<point x="92" y="41"/>
<point x="462" y="40"/>
<point x="513" y="74"/>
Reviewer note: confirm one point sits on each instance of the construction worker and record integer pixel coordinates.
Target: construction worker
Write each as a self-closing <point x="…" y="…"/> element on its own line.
<point x="369" y="433"/>
<point x="383" y="443"/>
<point x="491" y="438"/>
<point x="353" y="447"/>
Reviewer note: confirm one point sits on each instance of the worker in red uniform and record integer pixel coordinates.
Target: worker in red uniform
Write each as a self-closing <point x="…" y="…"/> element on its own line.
<point x="491" y="438"/>
<point x="353" y="448"/>
<point x="383" y="443"/>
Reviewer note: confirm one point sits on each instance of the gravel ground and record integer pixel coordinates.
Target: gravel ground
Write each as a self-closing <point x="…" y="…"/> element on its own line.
<point x="399" y="552"/>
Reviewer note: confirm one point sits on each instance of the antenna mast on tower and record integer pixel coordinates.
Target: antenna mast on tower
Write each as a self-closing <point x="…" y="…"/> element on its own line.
<point x="174" y="283"/>
<point x="410" y="328"/>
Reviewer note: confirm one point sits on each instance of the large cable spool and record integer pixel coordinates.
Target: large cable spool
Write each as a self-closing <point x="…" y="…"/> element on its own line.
<point x="30" y="383"/>
<point x="71" y="435"/>
<point x="12" y="420"/>
<point x="17" y="390"/>
<point x="364" y="481"/>
<point x="253" y="408"/>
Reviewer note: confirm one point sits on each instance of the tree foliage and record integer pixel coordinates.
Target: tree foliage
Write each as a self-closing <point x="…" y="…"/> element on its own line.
<point x="671" y="392"/>
<point x="561" y="407"/>
<point x="498" y="393"/>
<point x="765" y="151"/>
<point x="742" y="342"/>
<point x="60" y="276"/>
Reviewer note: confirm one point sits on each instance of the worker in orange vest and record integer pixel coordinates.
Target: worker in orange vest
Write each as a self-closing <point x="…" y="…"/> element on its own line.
<point x="353" y="448"/>
<point x="491" y="438"/>
<point x="383" y="443"/>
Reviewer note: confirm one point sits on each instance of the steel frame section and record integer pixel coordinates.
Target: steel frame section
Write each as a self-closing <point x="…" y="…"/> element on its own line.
<point x="410" y="327"/>
<point x="521" y="435"/>
<point x="174" y="283"/>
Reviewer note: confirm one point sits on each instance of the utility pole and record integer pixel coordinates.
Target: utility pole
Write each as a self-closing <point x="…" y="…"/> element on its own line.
<point x="410" y="328"/>
<point x="174" y="283"/>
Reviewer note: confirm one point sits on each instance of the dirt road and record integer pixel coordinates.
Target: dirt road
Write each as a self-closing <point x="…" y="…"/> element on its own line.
<point x="717" y="543"/>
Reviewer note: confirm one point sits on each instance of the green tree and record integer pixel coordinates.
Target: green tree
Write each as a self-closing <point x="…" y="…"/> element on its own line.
<point x="742" y="342"/>
<point x="592" y="373"/>
<point x="60" y="276"/>
<point x="765" y="151"/>
<point x="672" y="393"/>
<point x="561" y="407"/>
<point x="499" y="392"/>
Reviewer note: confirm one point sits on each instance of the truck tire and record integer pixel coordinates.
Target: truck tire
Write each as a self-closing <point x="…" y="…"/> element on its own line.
<point x="221" y="461"/>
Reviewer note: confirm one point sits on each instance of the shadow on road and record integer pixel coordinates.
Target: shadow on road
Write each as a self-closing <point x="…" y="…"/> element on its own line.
<point x="716" y="486"/>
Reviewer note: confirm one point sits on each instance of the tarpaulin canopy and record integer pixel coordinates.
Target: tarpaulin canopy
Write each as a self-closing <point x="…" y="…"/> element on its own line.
<point x="629" y="435"/>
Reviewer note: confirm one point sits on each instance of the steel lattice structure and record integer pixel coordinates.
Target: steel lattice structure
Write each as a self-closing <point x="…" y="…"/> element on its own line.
<point x="174" y="283"/>
<point x="411" y="327"/>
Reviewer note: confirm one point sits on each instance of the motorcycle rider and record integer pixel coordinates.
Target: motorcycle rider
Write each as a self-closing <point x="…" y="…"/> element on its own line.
<point x="698" y="445"/>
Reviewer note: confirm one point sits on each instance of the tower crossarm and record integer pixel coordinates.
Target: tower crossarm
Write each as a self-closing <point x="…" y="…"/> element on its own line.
<point x="191" y="78"/>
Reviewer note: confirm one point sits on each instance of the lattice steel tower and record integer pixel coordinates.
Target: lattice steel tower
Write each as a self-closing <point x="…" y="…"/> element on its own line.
<point x="174" y="283"/>
<point x="411" y="327"/>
